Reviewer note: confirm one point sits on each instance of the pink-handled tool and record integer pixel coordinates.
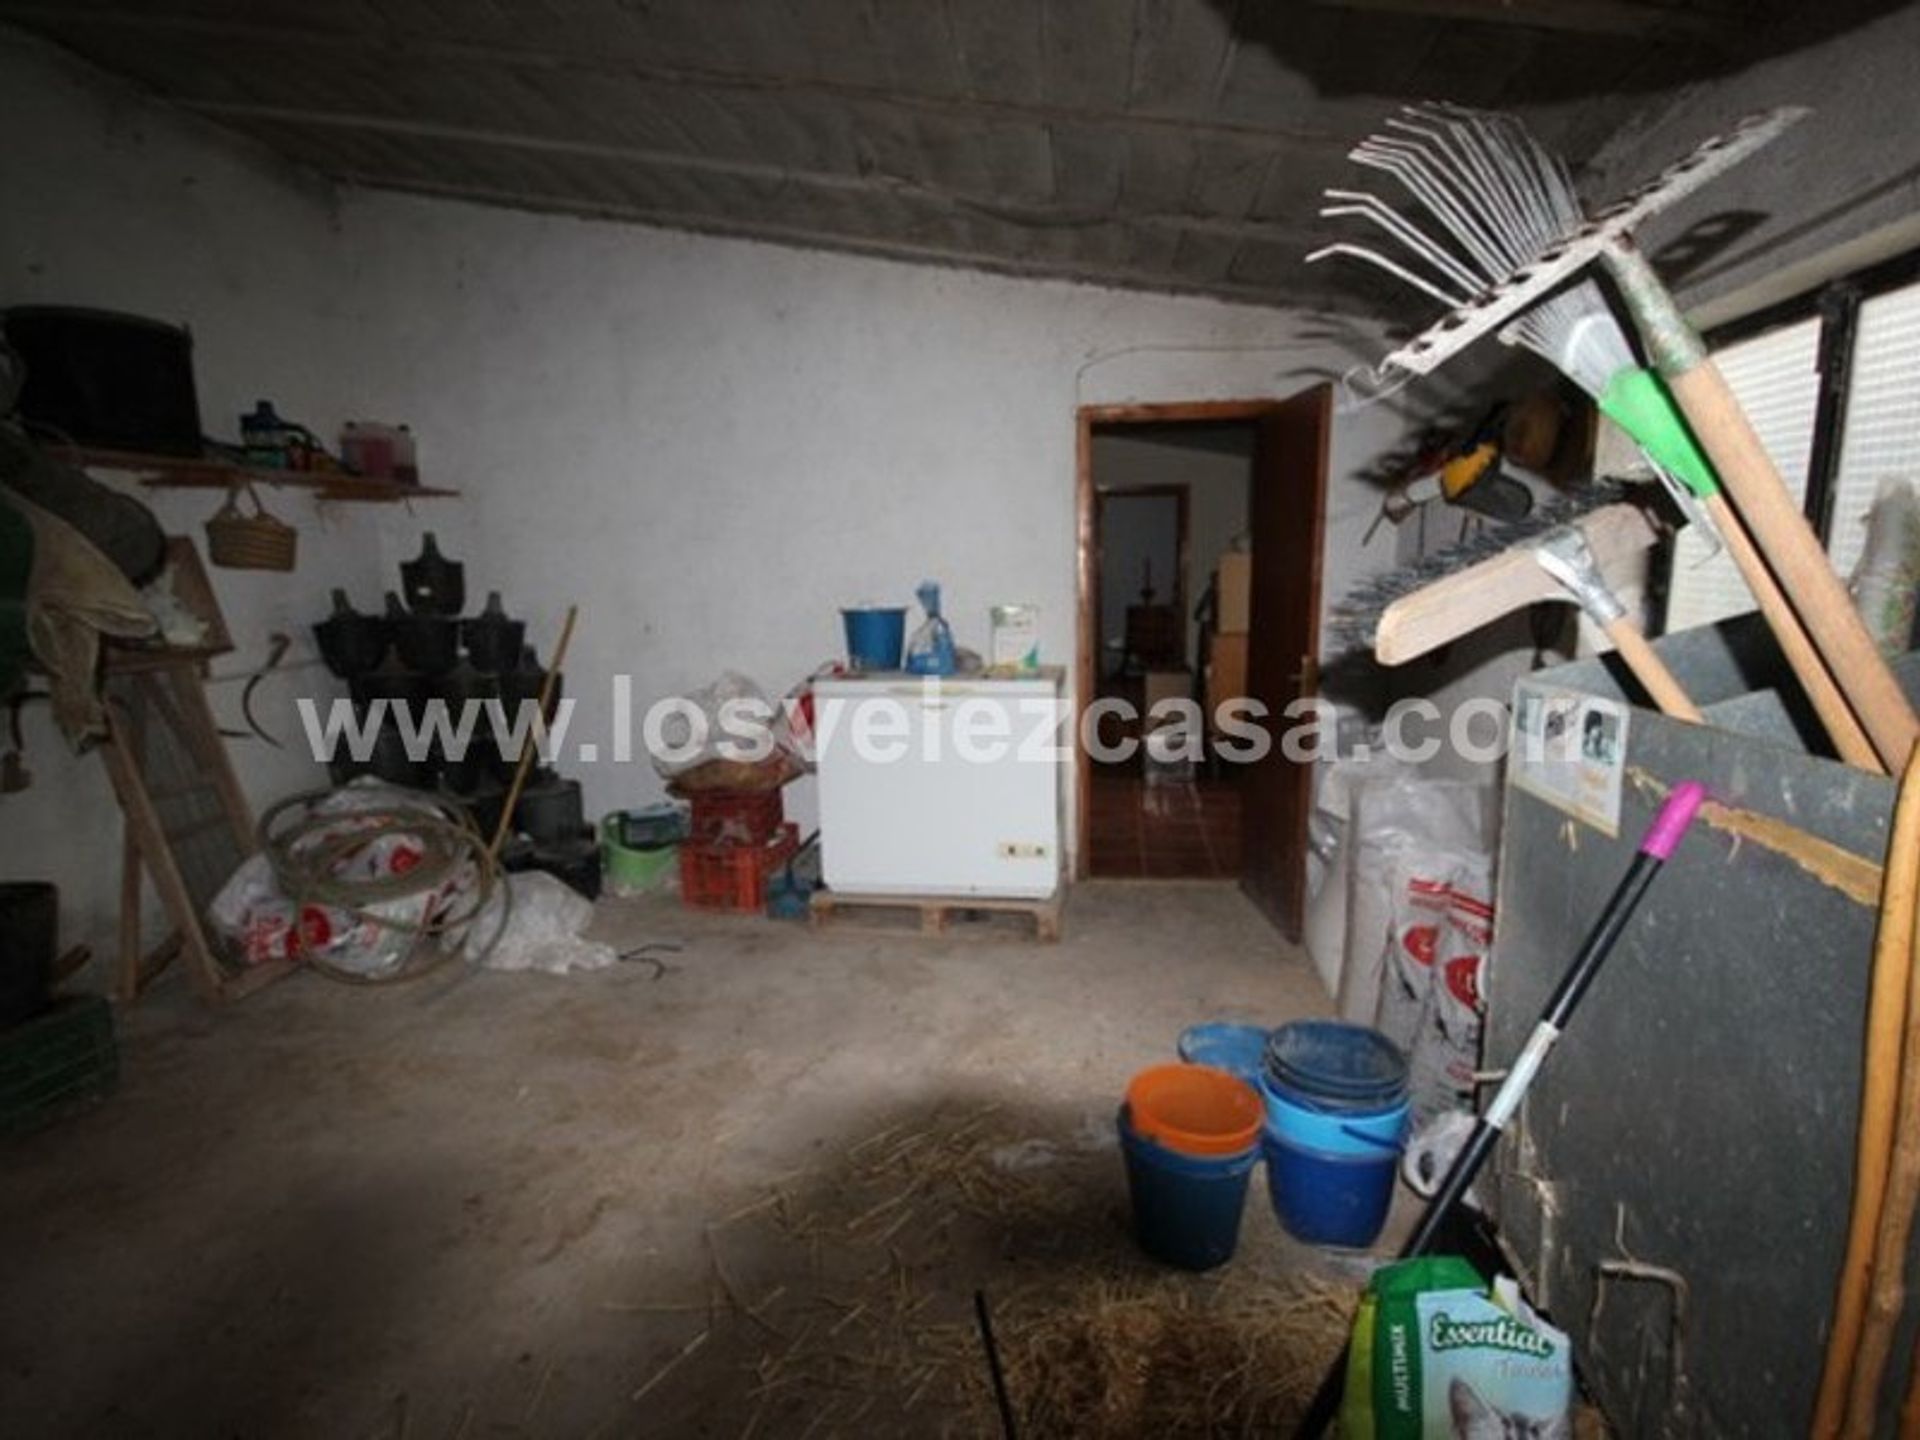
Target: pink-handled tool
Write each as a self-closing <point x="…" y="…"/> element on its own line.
<point x="1663" y="837"/>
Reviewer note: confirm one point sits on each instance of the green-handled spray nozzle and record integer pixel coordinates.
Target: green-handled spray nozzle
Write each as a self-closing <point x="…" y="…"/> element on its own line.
<point x="1638" y="401"/>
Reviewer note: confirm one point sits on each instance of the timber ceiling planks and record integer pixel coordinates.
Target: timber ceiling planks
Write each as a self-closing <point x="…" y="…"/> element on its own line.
<point x="1170" y="144"/>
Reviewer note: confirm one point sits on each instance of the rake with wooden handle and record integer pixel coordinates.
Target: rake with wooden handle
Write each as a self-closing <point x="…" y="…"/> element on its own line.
<point x="1515" y="236"/>
<point x="1404" y="619"/>
<point x="1578" y="333"/>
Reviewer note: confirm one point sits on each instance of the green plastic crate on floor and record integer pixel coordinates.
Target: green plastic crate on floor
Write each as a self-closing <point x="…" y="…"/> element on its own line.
<point x="56" y="1059"/>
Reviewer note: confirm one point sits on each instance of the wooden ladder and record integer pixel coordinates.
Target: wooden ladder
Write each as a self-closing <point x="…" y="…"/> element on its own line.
<point x="186" y="822"/>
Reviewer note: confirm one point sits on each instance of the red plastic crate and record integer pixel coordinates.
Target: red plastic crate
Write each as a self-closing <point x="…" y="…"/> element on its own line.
<point x="736" y="817"/>
<point x="733" y="877"/>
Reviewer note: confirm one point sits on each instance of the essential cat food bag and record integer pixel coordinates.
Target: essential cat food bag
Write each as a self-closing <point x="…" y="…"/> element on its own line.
<point x="1439" y="1356"/>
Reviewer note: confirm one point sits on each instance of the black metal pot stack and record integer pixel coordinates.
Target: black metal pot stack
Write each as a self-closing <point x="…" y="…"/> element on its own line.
<point x="422" y="651"/>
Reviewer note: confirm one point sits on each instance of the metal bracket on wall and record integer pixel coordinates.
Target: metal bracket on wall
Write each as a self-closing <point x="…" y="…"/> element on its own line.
<point x="1678" y="1420"/>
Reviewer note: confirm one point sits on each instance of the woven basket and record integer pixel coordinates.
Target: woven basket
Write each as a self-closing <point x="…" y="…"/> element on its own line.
<point x="238" y="541"/>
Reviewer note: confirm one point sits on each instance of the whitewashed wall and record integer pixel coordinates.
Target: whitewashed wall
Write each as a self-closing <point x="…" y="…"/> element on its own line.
<point x="111" y="203"/>
<point x="710" y="445"/>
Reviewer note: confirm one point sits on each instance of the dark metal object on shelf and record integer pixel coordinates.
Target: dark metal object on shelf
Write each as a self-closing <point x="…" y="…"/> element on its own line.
<point x="351" y="643"/>
<point x="493" y="641"/>
<point x="424" y="641"/>
<point x="403" y="687"/>
<point x="521" y="685"/>
<point x="390" y="761"/>
<point x="96" y="377"/>
<point x="433" y="584"/>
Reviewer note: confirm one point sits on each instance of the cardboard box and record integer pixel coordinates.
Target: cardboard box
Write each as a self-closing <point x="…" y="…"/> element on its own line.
<point x="1235" y="582"/>
<point x="1226" y="672"/>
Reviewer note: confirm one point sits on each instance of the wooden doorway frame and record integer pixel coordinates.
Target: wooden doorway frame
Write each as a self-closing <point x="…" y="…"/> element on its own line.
<point x="1181" y="494"/>
<point x="1087" y="567"/>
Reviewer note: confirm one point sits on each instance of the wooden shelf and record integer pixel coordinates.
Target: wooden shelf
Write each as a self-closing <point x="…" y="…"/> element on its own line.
<point x="181" y="472"/>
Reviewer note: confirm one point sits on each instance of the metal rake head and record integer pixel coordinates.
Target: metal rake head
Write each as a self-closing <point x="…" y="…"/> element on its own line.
<point x="1510" y="229"/>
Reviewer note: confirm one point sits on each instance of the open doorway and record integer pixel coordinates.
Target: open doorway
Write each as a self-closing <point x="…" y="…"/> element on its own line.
<point x="1171" y="499"/>
<point x="1200" y="534"/>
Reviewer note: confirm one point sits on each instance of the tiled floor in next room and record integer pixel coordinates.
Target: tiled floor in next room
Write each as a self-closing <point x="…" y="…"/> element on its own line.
<point x="1187" y="831"/>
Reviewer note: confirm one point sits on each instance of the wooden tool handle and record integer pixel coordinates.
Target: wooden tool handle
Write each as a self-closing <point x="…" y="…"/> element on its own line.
<point x="1842" y="726"/>
<point x="1887" y="1276"/>
<point x="1887" y="1003"/>
<point x="1462" y="602"/>
<point x="531" y="746"/>
<point x="1652" y="672"/>
<point x="1793" y="552"/>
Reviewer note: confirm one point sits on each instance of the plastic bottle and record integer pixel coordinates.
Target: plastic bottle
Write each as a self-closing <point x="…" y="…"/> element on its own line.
<point x="406" y="461"/>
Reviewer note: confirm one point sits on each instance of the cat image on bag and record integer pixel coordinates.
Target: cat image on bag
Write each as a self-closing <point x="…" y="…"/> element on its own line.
<point x="1475" y="1419"/>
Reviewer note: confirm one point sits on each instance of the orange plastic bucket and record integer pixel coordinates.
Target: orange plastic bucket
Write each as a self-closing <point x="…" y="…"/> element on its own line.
<point x="1194" y="1110"/>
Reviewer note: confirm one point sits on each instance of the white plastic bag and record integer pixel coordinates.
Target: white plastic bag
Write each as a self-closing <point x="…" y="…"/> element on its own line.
<point x="1886" y="578"/>
<point x="261" y="923"/>
<point x="1330" y="858"/>
<point x="1446" y="1044"/>
<point x="1405" y="830"/>
<point x="731" y="719"/>
<point x="1421" y="894"/>
<point x="546" y="929"/>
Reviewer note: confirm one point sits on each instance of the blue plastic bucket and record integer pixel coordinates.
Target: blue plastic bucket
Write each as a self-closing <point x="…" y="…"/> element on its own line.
<point x="1335" y="1132"/>
<point x="875" y="637"/>
<point x="1186" y="1208"/>
<point x="1332" y="1065"/>
<point x="1336" y="1101"/>
<point x="1329" y="1199"/>
<point x="1240" y="1050"/>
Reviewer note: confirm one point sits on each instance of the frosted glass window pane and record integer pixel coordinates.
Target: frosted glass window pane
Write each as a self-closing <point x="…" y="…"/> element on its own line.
<point x="1777" y="378"/>
<point x="1881" y="437"/>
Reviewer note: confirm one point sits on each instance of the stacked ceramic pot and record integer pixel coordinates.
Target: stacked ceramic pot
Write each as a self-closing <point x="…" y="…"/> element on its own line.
<point x="422" y="650"/>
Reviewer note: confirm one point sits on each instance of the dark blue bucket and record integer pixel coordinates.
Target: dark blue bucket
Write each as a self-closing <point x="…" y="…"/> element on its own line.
<point x="1331" y="1065"/>
<point x="875" y="637"/>
<point x="1329" y="1199"/>
<point x="1336" y="1098"/>
<point x="1186" y="1208"/>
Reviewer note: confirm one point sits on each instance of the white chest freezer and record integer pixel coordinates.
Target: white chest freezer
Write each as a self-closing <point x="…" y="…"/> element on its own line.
<point x="941" y="787"/>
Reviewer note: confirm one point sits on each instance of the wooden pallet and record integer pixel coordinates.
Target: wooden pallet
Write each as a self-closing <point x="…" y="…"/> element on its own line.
<point x="937" y="911"/>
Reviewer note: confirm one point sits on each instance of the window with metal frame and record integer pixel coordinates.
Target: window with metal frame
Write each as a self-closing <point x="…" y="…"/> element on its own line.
<point x="1778" y="382"/>
<point x="1880" y="437"/>
<point x="1831" y="381"/>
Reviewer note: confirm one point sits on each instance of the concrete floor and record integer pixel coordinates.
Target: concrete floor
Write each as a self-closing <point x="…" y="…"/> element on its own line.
<point x="481" y="1208"/>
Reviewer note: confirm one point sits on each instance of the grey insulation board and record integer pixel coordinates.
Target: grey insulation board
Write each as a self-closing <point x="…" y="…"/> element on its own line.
<point x="1699" y="1115"/>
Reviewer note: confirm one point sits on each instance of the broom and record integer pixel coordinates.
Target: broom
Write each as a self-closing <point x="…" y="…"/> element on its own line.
<point x="1662" y="838"/>
<point x="1516" y="235"/>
